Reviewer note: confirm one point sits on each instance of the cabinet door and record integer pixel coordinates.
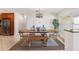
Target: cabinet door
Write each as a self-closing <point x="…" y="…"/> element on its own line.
<point x="6" y="27"/>
<point x="68" y="41"/>
<point x="0" y="27"/>
<point x="10" y="22"/>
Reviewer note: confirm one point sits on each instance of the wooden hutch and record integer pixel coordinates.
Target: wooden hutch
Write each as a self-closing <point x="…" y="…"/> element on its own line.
<point x="7" y="23"/>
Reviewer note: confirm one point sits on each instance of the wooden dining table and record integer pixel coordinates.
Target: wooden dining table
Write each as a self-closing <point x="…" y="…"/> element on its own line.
<point x="34" y="31"/>
<point x="22" y="31"/>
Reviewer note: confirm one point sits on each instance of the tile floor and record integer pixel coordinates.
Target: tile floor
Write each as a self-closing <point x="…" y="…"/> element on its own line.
<point x="6" y="42"/>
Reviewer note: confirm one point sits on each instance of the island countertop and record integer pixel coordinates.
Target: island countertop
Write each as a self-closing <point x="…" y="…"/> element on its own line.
<point x="72" y="30"/>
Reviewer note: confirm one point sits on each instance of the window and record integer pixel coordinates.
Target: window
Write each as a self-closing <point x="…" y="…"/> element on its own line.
<point x="76" y="20"/>
<point x="76" y="23"/>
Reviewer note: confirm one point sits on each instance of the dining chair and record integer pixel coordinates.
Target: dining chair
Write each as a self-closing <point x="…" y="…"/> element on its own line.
<point x="26" y="41"/>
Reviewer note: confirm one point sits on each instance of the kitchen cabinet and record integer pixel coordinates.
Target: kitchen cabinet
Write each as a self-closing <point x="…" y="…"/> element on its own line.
<point x="68" y="36"/>
<point x="71" y="40"/>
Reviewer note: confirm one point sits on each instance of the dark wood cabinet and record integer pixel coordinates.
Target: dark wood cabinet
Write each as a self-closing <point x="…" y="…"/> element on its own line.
<point x="0" y="27"/>
<point x="7" y="24"/>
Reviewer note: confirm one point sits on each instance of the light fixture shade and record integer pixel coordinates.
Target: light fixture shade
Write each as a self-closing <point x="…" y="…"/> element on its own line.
<point x="39" y="14"/>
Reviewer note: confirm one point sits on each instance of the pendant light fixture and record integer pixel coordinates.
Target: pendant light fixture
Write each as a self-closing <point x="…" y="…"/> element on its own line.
<point x="39" y="14"/>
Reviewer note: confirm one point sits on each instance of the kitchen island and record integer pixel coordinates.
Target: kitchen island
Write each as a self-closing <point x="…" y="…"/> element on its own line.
<point x="71" y="39"/>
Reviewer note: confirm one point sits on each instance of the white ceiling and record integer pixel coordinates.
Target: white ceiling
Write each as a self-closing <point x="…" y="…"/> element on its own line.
<point x="59" y="11"/>
<point x="42" y="10"/>
<point x="70" y="12"/>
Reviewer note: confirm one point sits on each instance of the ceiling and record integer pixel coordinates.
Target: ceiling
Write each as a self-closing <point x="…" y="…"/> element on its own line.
<point x="42" y="10"/>
<point x="53" y="11"/>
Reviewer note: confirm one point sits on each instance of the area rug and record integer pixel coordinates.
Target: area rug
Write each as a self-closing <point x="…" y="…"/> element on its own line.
<point x="52" y="42"/>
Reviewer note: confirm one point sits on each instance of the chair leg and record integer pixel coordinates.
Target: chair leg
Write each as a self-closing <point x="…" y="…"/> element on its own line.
<point x="29" y="43"/>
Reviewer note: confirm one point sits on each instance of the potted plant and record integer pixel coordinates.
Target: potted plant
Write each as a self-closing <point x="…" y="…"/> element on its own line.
<point x="56" y="24"/>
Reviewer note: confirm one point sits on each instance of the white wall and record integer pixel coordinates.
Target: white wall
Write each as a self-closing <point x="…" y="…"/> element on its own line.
<point x="19" y="23"/>
<point x="30" y="20"/>
<point x="38" y="22"/>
